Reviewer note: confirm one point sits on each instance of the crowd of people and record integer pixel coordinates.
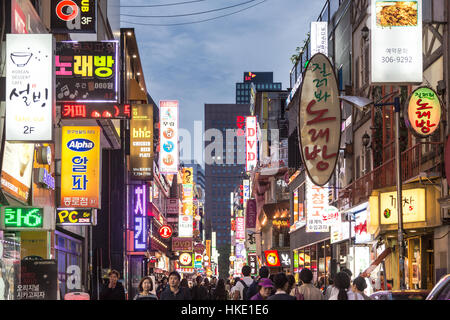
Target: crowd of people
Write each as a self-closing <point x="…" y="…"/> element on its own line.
<point x="265" y="286"/>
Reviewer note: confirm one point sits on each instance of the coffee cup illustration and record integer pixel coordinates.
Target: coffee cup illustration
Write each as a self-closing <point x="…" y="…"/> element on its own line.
<point x="20" y="59"/>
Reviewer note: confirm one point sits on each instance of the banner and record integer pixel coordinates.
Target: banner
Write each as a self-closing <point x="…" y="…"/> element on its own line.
<point x="80" y="167"/>
<point x="73" y="16"/>
<point x="29" y="87"/>
<point x="168" y="124"/>
<point x="141" y="141"/>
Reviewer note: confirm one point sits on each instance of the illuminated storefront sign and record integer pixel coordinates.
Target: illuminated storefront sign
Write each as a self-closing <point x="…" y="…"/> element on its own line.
<point x="272" y="258"/>
<point x="240" y="228"/>
<point x="240" y="123"/>
<point x="87" y="71"/>
<point x="185" y="226"/>
<point x="246" y="193"/>
<point x="95" y="111"/>
<point x="241" y="253"/>
<point x="249" y="76"/>
<point x="23" y="217"/>
<point x="29" y="87"/>
<point x="319" y="37"/>
<point x="72" y="216"/>
<point x="72" y="16"/>
<point x="413" y="201"/>
<point x="316" y="202"/>
<point x="141" y="142"/>
<point x="80" y="167"/>
<point x="251" y="143"/>
<point x="182" y="244"/>
<point x="140" y="219"/>
<point x="44" y="178"/>
<point x="396" y="41"/>
<point x="168" y="136"/>
<point x="253" y="263"/>
<point x="423" y="112"/>
<point x="186" y="259"/>
<point x="360" y="213"/>
<point x="330" y="215"/>
<point x="319" y="120"/>
<point x="165" y="231"/>
<point x="251" y="214"/>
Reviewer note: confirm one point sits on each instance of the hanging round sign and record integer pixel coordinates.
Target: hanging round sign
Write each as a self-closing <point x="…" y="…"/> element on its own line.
<point x="165" y="231"/>
<point x="423" y="112"/>
<point x="319" y="119"/>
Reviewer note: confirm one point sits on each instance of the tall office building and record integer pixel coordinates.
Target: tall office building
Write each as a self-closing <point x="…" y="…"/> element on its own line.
<point x="223" y="168"/>
<point x="263" y="81"/>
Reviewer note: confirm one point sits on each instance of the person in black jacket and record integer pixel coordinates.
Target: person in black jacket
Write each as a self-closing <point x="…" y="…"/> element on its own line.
<point x="174" y="291"/>
<point x="113" y="290"/>
<point x="281" y="285"/>
<point x="199" y="292"/>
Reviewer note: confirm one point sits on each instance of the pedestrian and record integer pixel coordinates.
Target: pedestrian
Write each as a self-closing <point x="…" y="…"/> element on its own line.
<point x="213" y="282"/>
<point x="239" y="291"/>
<point x="281" y="283"/>
<point x="330" y="288"/>
<point x="199" y="292"/>
<point x="173" y="290"/>
<point x="209" y="288"/>
<point x="291" y="281"/>
<point x="254" y="287"/>
<point x="184" y="283"/>
<point x="145" y="287"/>
<point x="162" y="286"/>
<point x="359" y="284"/>
<point x="307" y="291"/>
<point x="228" y="285"/>
<point x="113" y="290"/>
<point x="342" y="290"/>
<point x="265" y="287"/>
<point x="220" y="293"/>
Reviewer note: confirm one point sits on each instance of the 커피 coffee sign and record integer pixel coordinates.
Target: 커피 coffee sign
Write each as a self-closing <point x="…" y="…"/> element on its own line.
<point x="319" y="120"/>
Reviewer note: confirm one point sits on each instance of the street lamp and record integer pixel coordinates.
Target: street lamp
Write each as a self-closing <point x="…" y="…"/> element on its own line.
<point x="362" y="102"/>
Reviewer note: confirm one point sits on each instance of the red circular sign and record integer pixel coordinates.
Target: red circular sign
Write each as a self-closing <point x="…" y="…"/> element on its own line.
<point x="62" y="15"/>
<point x="165" y="231"/>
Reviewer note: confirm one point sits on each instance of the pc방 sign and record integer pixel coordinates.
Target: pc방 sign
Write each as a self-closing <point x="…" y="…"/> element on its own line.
<point x="29" y="87"/>
<point x="72" y="216"/>
<point x="319" y="120"/>
<point x="73" y="16"/>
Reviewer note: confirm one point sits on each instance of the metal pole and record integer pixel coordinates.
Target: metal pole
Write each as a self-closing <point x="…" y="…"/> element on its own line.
<point x="401" y="253"/>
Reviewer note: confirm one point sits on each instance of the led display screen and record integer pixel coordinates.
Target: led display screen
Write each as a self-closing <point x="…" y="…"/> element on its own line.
<point x="24" y="217"/>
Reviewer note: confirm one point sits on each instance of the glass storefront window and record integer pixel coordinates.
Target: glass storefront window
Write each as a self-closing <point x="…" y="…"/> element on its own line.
<point x="313" y="253"/>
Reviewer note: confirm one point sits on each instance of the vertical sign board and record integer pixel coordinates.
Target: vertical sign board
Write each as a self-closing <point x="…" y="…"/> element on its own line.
<point x="319" y="120"/>
<point x="29" y="87"/>
<point x="141" y="141"/>
<point x="251" y="145"/>
<point x="251" y="214"/>
<point x="185" y="226"/>
<point x="73" y="16"/>
<point x="208" y="250"/>
<point x="140" y="218"/>
<point x="295" y="206"/>
<point x="80" y="167"/>
<point x="87" y="71"/>
<point x="168" y="155"/>
<point x="253" y="263"/>
<point x="319" y="37"/>
<point x="246" y="191"/>
<point x="396" y="41"/>
<point x="316" y="202"/>
<point x="240" y="228"/>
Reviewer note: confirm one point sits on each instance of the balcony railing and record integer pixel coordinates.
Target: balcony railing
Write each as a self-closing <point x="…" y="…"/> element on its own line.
<point x="422" y="157"/>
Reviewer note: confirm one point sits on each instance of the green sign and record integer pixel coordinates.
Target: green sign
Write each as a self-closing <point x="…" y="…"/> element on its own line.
<point x="24" y="217"/>
<point x="295" y="259"/>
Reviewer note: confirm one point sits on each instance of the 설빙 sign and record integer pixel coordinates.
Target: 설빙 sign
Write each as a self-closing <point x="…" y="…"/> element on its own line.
<point x="413" y="202"/>
<point x="29" y="87"/>
<point x="73" y="16"/>
<point x="87" y="71"/>
<point x="141" y="141"/>
<point x="396" y="41"/>
<point x="72" y="216"/>
<point x="80" y="167"/>
<point x="319" y="120"/>
<point x="168" y="155"/>
<point x="423" y="112"/>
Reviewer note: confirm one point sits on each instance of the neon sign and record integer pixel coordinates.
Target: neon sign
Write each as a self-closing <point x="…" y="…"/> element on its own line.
<point x="95" y="111"/>
<point x="140" y="220"/>
<point x="24" y="217"/>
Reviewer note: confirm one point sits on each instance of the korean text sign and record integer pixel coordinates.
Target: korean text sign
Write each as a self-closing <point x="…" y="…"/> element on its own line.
<point x="396" y="41"/>
<point x="29" y="87"/>
<point x="80" y="167"/>
<point x="319" y="120"/>
<point x="424" y="112"/>
<point x="240" y="228"/>
<point x="316" y="202"/>
<point x="72" y="16"/>
<point x="140" y="218"/>
<point x="87" y="71"/>
<point x="141" y="141"/>
<point x="168" y="156"/>
<point x="413" y="206"/>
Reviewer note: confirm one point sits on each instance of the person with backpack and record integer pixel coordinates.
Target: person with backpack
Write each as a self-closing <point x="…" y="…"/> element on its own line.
<point x="253" y="289"/>
<point x="239" y="291"/>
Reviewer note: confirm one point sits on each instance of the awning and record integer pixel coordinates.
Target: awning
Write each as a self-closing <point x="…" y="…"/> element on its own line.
<point x="273" y="209"/>
<point x="376" y="262"/>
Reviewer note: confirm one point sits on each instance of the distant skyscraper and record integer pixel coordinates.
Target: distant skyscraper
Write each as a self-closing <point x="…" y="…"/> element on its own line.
<point x="263" y="81"/>
<point x="225" y="173"/>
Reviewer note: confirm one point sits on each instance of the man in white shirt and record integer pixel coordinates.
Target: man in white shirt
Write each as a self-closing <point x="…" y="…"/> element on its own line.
<point x="238" y="290"/>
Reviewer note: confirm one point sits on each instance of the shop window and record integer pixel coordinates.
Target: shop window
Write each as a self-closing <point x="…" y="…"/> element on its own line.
<point x="69" y="261"/>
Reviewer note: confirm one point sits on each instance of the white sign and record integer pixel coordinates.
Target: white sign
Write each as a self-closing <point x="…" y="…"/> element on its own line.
<point x="30" y="71"/>
<point x="330" y="215"/>
<point x="396" y="41"/>
<point x="240" y="228"/>
<point x="319" y="37"/>
<point x="185" y="226"/>
<point x="316" y="202"/>
<point x="251" y="143"/>
<point x="361" y="212"/>
<point x="339" y="231"/>
<point x="168" y="124"/>
<point x="246" y="193"/>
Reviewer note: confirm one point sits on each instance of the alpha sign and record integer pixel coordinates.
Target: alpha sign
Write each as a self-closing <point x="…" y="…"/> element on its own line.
<point x="319" y="120"/>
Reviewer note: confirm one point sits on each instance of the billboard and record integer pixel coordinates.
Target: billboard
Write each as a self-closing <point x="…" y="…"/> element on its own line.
<point x="396" y="41"/>
<point x="73" y="16"/>
<point x="251" y="143"/>
<point x="182" y="244"/>
<point x="87" y="71"/>
<point x="29" y="87"/>
<point x="168" y="124"/>
<point x="80" y="167"/>
<point x="141" y="141"/>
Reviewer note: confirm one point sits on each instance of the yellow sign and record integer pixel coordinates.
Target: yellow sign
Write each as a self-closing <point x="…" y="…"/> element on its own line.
<point x="80" y="167"/>
<point x="424" y="112"/>
<point x="413" y="206"/>
<point x="188" y="175"/>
